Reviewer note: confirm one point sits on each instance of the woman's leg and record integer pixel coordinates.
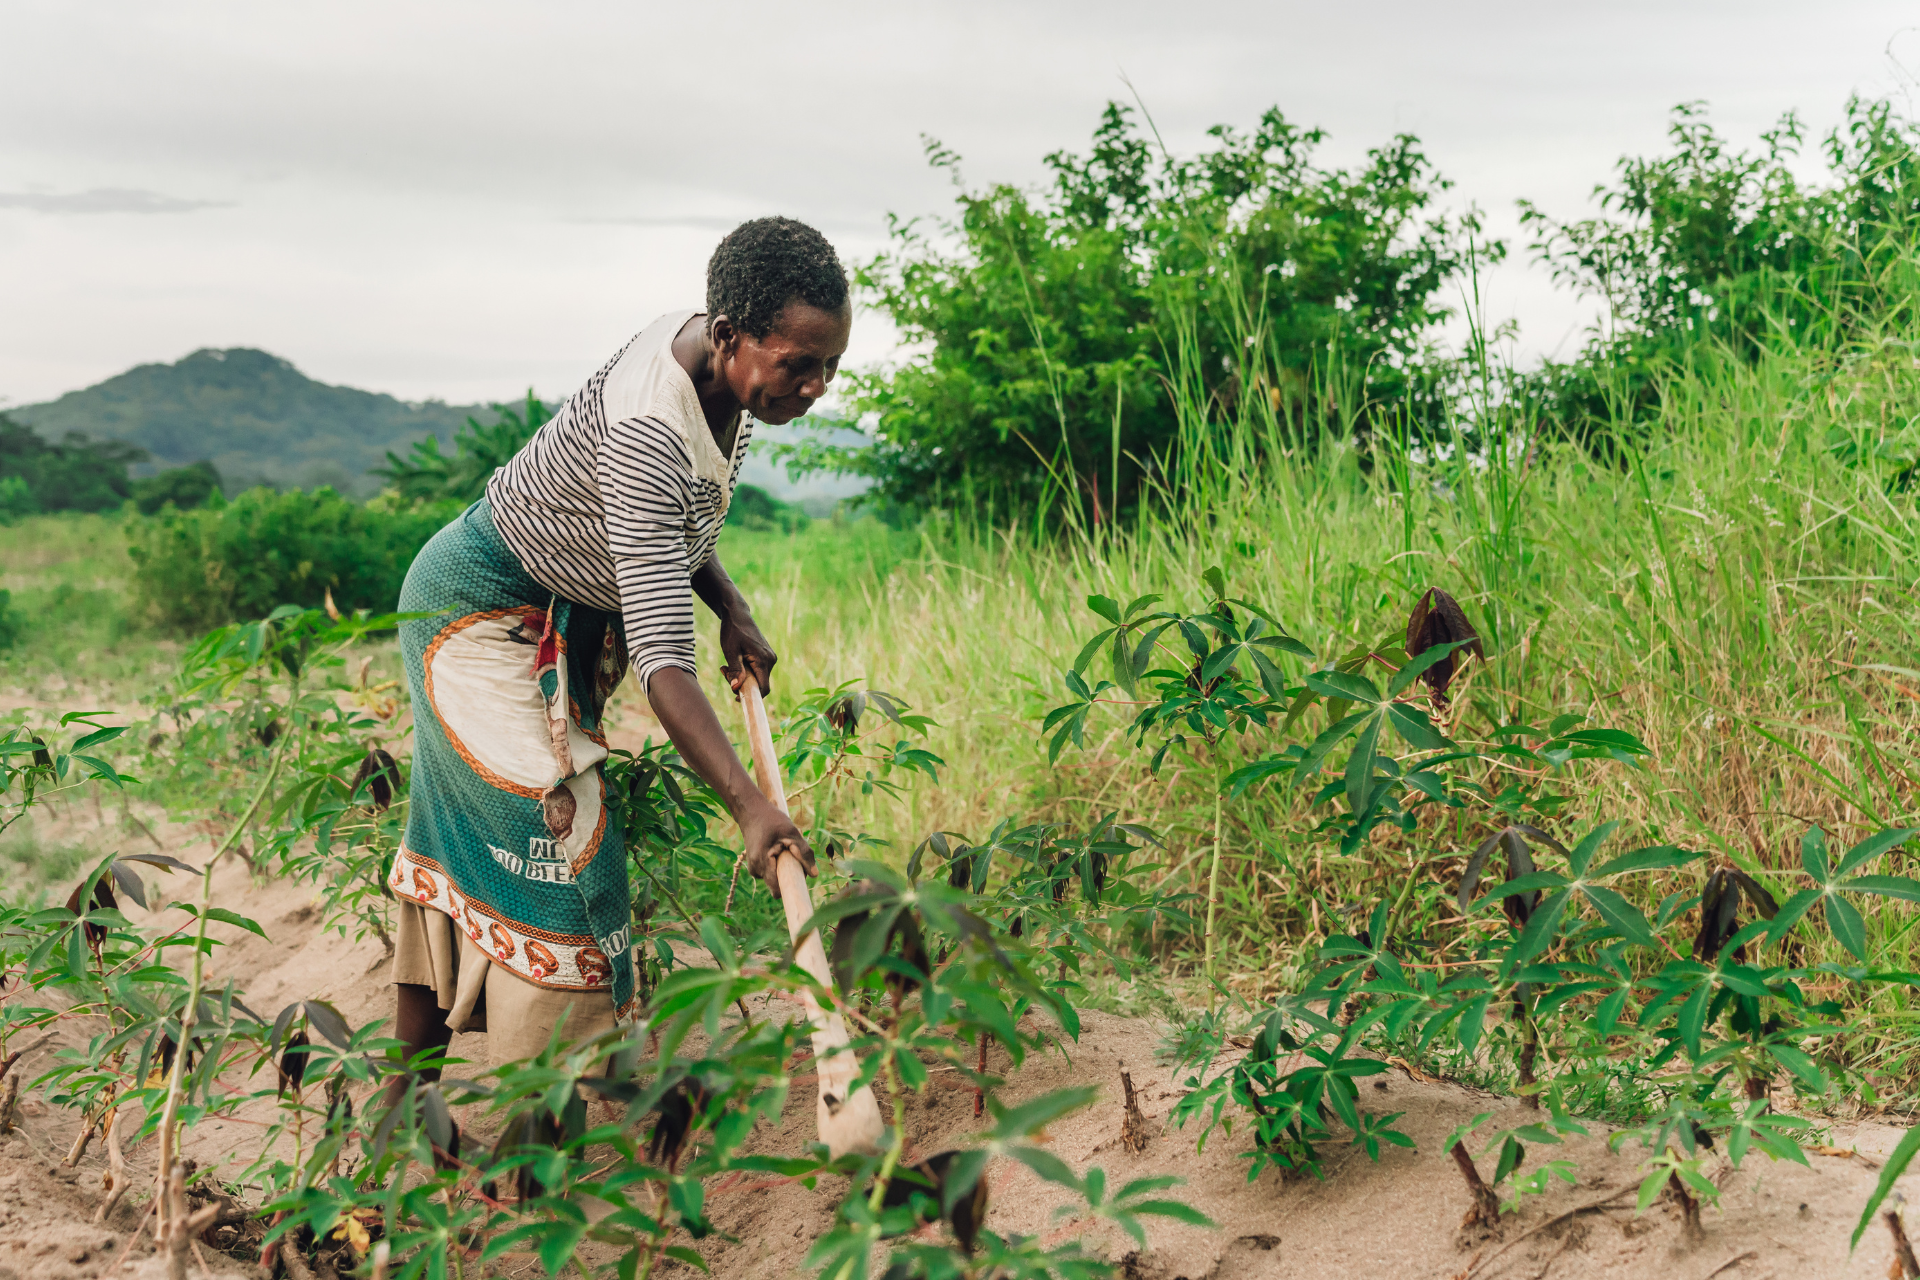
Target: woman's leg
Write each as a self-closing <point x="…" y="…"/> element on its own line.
<point x="422" y="1024"/>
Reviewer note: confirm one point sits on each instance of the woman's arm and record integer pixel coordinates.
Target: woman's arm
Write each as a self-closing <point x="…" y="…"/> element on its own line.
<point x="690" y="721"/>
<point x="643" y="475"/>
<point x="740" y="640"/>
<point x="746" y="651"/>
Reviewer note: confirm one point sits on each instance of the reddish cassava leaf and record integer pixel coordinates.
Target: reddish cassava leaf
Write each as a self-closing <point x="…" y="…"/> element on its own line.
<point x="1436" y="620"/>
<point x="379" y="774"/>
<point x="293" y="1063"/>
<point x="103" y="900"/>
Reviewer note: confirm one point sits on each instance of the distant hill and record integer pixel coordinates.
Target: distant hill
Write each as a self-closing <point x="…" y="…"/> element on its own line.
<point x="258" y="419"/>
<point x="253" y="415"/>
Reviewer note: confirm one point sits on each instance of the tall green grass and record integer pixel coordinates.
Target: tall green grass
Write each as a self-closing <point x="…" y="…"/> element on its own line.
<point x="1740" y="589"/>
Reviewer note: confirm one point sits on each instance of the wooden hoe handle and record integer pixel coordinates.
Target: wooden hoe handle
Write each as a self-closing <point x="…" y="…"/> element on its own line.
<point x="849" y="1120"/>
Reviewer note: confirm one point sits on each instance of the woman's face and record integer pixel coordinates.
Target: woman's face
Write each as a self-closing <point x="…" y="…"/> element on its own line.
<point x="777" y="378"/>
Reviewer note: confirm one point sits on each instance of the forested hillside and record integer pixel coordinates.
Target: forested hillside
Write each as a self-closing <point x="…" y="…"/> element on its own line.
<point x="252" y="414"/>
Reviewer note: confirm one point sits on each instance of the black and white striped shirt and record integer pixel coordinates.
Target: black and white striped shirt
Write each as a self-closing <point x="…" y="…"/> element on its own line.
<point x="619" y="499"/>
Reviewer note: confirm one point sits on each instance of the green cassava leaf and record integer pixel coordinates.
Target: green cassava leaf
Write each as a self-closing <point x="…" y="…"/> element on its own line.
<point x="1621" y="915"/>
<point x="1589" y="845"/>
<point x="1408" y="673"/>
<point x="1360" y="764"/>
<point x="1343" y="685"/>
<point x="1659" y="857"/>
<point x="1092" y="647"/>
<point x="1904" y="888"/>
<point x="1324" y="744"/>
<point x="1692" y="1020"/>
<point x="1413" y="725"/>
<point x="1542" y="926"/>
<point x="1851" y="931"/>
<point x="1872" y="847"/>
<point x="1795" y="907"/>
<point x="1813" y="854"/>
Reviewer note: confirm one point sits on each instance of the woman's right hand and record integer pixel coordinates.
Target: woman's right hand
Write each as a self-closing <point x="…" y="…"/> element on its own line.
<point x="694" y="728"/>
<point x="770" y="833"/>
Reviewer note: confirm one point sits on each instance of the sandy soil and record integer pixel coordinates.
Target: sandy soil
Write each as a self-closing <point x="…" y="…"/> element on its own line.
<point x="1399" y="1217"/>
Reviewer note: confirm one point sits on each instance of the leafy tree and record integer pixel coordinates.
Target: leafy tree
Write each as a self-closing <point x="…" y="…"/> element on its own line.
<point x="1047" y="331"/>
<point x="76" y="474"/>
<point x="1713" y="249"/>
<point x="184" y="487"/>
<point x="755" y="508"/>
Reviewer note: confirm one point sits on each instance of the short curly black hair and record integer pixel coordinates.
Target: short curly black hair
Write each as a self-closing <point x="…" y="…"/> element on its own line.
<point x="763" y="265"/>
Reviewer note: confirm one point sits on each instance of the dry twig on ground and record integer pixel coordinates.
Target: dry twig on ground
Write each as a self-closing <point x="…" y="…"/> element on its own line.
<point x="1133" y="1125"/>
<point x="1594" y="1207"/>
<point x="1905" y="1265"/>
<point x="117" y="1178"/>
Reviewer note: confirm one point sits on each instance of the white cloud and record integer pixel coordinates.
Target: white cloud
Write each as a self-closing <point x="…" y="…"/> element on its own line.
<point x="103" y="200"/>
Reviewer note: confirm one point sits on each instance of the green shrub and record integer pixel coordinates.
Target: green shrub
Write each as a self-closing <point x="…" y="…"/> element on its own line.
<point x="1712" y="252"/>
<point x="184" y="487"/>
<point x="77" y="474"/>
<point x="244" y="558"/>
<point x="11" y="624"/>
<point x="16" y="499"/>
<point x="756" y="509"/>
<point x="1043" y="323"/>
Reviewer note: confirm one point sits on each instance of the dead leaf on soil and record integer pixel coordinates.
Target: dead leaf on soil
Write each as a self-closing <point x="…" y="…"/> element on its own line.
<point x="1846" y="1153"/>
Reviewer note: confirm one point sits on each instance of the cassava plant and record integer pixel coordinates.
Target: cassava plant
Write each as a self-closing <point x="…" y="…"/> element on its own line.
<point x="1705" y="1032"/>
<point x="34" y="773"/>
<point x="1511" y="1144"/>
<point x="340" y="1177"/>
<point x="1235" y="687"/>
<point x="1076" y="894"/>
<point x="1207" y="674"/>
<point x="987" y="986"/>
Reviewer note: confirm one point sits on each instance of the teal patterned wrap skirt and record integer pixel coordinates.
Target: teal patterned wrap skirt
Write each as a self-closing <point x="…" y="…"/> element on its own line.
<point x="507" y="830"/>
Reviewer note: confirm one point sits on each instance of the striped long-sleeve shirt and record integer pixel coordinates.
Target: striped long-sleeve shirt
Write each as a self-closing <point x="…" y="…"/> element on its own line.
<point x="619" y="499"/>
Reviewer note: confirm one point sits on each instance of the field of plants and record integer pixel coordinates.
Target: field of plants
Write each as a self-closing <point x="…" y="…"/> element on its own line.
<point x="1361" y="806"/>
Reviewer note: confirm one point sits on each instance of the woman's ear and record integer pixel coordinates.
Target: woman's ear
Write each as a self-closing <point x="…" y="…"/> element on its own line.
<point x="724" y="335"/>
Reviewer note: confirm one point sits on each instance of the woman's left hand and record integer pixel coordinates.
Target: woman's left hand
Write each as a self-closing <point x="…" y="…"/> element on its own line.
<point x="746" y="650"/>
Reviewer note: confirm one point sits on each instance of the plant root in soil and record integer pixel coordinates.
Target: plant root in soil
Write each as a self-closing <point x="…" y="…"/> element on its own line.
<point x="1904" y="1265"/>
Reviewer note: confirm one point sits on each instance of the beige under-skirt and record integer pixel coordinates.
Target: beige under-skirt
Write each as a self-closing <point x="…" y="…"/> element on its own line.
<point x="478" y="995"/>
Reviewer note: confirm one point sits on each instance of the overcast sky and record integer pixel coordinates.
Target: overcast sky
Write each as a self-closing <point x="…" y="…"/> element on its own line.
<point x="461" y="200"/>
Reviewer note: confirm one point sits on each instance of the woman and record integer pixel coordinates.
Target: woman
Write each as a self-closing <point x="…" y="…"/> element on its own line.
<point x="514" y="915"/>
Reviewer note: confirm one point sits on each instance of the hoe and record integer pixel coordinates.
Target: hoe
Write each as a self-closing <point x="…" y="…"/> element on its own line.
<point x="848" y="1118"/>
